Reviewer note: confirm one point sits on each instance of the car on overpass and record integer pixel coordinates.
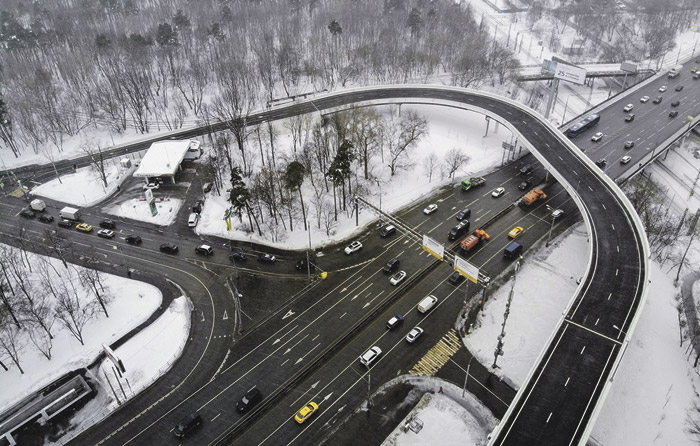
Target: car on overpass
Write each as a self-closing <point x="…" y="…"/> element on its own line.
<point x="629" y="118"/>
<point x="597" y="137"/>
<point x="628" y="108"/>
<point x="625" y="159"/>
<point x="629" y="144"/>
<point x="644" y="99"/>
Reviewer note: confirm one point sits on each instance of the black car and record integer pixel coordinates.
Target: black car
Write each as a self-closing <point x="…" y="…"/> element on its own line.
<point x="456" y="278"/>
<point x="387" y="231"/>
<point x="65" y="224"/>
<point x="391" y="266"/>
<point x="466" y="213"/>
<point x="107" y="224"/>
<point x="629" y="118"/>
<point x="27" y="213"/>
<point x="675" y="103"/>
<point x="133" y="239"/>
<point x="629" y="144"/>
<point x="168" y="248"/>
<point x="46" y="218"/>
<point x="525" y="184"/>
<point x="302" y="265"/>
<point x="188" y="424"/>
<point x="526" y="169"/>
<point x="679" y="88"/>
<point x="673" y="113"/>
<point x="249" y="400"/>
<point x="658" y="100"/>
<point x="237" y="256"/>
<point x="601" y="162"/>
<point x="459" y="230"/>
<point x="197" y="206"/>
<point x="266" y="258"/>
<point x="394" y="321"/>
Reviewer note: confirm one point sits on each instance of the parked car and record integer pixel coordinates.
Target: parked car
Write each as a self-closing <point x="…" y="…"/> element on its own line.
<point x="306" y="412"/>
<point x="204" y="250"/>
<point x="266" y="258"/>
<point x="168" y="248"/>
<point x="629" y="144"/>
<point x="628" y="108"/>
<point x="187" y="425"/>
<point x="107" y="224"/>
<point x="46" y="218"/>
<point x="133" y="239"/>
<point x="197" y="206"/>
<point x="237" y="256"/>
<point x="625" y="159"/>
<point x="429" y="209"/>
<point x="644" y="99"/>
<point x="414" y="334"/>
<point x="629" y="118"/>
<point x="251" y="398"/>
<point x="105" y="233"/>
<point x="597" y="137"/>
<point x="394" y="321"/>
<point x="84" y="227"/>
<point x="397" y="278"/>
<point x="27" y="213"/>
<point x="193" y="219"/>
<point x="370" y="356"/>
<point x="65" y="224"/>
<point x="353" y="247"/>
<point x="497" y="192"/>
<point x="456" y="278"/>
<point x="673" y="113"/>
<point x="387" y="231"/>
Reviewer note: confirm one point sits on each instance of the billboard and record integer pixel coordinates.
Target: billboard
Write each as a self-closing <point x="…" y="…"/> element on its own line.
<point x="570" y="73"/>
<point x="466" y="269"/>
<point x="628" y="67"/>
<point x="433" y="247"/>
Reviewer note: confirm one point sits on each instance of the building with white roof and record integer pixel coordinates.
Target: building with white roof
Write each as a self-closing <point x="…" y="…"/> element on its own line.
<point x="164" y="158"/>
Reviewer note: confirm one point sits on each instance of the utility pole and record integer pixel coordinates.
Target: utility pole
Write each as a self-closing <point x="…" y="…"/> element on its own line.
<point x="499" y="347"/>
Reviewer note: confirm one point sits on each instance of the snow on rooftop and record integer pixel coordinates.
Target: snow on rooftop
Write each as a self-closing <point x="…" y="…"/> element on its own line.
<point x="163" y="158"/>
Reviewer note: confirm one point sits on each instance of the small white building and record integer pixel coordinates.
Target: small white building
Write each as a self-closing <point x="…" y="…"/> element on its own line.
<point x="164" y="158"/>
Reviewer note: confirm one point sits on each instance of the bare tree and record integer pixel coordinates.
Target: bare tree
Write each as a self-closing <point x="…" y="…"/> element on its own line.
<point x="97" y="159"/>
<point x="430" y="162"/>
<point x="402" y="134"/>
<point x="454" y="159"/>
<point x="92" y="279"/>
<point x="11" y="343"/>
<point x="71" y="311"/>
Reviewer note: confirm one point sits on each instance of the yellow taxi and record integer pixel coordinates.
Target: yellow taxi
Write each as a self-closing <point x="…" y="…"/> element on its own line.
<point x="306" y="412"/>
<point x="515" y="232"/>
<point x="84" y="227"/>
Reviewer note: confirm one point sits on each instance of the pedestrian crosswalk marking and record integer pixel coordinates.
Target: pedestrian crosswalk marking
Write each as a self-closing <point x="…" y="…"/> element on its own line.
<point x="437" y="356"/>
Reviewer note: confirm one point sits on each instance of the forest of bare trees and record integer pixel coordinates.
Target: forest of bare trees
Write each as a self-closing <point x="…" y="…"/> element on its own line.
<point x="114" y="65"/>
<point x="39" y="299"/>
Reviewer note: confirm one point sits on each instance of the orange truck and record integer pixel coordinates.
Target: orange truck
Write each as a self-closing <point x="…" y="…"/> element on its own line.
<point x="473" y="239"/>
<point x="531" y="197"/>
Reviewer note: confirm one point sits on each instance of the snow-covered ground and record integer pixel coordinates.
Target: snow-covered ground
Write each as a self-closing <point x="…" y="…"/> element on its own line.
<point x="131" y="304"/>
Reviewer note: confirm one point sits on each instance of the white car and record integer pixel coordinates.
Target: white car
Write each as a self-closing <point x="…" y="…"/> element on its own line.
<point x="430" y="209"/>
<point x="663" y="88"/>
<point x="414" y="334"/>
<point x="625" y="159"/>
<point x="105" y="233"/>
<point x="557" y="213"/>
<point x="597" y="137"/>
<point x="370" y="356"/>
<point x="498" y="192"/>
<point x="397" y="278"/>
<point x="153" y="186"/>
<point x="193" y="220"/>
<point x="353" y="247"/>
<point x="628" y="108"/>
<point x="644" y="99"/>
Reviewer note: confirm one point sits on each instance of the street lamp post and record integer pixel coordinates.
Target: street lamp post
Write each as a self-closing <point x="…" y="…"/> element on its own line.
<point x="551" y="226"/>
<point x="466" y="376"/>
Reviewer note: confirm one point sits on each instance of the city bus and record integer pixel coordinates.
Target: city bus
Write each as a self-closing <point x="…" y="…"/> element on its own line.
<point x="581" y="126"/>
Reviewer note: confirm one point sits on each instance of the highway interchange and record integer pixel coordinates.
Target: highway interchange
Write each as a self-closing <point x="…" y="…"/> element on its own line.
<point x="307" y="348"/>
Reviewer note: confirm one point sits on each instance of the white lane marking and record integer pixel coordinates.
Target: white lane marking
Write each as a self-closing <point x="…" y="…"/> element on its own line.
<point x="567" y="381"/>
<point x="550" y="416"/>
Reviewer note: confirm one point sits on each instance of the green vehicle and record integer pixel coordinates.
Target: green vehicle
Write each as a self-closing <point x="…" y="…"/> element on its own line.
<point x="473" y="182"/>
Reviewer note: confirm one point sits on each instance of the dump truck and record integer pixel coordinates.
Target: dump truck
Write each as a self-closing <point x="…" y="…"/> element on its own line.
<point x="531" y="197"/>
<point x="473" y="239"/>
<point x="675" y="71"/>
<point x="70" y="213"/>
<point x="473" y="182"/>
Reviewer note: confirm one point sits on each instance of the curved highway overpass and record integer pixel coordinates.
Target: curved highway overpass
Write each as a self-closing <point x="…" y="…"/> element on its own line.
<point x="566" y="387"/>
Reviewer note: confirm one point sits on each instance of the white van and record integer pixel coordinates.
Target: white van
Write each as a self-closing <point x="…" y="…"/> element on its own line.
<point x="427" y="303"/>
<point x="193" y="220"/>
